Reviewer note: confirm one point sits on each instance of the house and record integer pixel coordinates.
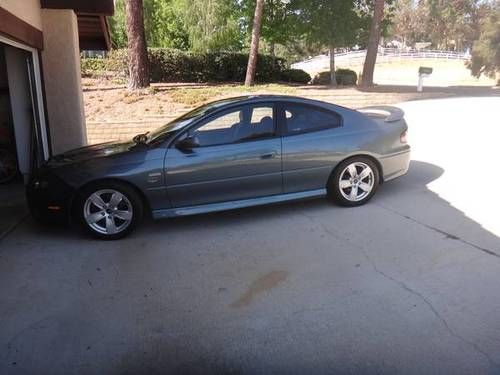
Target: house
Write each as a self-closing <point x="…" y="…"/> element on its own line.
<point x="41" y="101"/>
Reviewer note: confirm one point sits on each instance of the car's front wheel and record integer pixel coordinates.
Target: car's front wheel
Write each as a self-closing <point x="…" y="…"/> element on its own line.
<point x="354" y="182"/>
<point x="109" y="210"/>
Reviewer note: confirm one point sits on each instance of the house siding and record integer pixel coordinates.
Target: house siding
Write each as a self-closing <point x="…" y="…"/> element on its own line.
<point x="27" y="10"/>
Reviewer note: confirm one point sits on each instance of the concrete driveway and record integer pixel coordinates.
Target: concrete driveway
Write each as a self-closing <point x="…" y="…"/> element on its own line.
<point x="409" y="283"/>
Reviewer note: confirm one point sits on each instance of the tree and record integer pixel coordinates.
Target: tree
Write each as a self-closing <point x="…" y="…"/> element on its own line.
<point x="164" y="27"/>
<point x="409" y="22"/>
<point x="373" y="42"/>
<point x="486" y="50"/>
<point x="212" y="25"/>
<point x="163" y="24"/>
<point x="117" y="26"/>
<point x="254" y="46"/>
<point x="330" y="24"/>
<point x="278" y="26"/>
<point x="138" y="64"/>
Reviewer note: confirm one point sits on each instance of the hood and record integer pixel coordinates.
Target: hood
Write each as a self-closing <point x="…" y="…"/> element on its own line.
<point x="100" y="150"/>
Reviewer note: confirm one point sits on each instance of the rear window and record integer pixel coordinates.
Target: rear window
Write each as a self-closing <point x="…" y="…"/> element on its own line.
<point x="304" y="118"/>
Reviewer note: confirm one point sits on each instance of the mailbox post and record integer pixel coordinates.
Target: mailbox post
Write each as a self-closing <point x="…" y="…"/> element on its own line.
<point x="423" y="72"/>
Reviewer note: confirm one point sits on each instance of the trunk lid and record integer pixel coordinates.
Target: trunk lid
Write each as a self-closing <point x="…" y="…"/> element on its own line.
<point x="383" y="113"/>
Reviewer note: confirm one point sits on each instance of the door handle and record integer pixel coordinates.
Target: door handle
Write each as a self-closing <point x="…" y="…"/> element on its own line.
<point x="268" y="155"/>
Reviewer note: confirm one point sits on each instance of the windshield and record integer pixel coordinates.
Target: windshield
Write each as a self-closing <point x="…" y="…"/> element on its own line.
<point x="186" y="119"/>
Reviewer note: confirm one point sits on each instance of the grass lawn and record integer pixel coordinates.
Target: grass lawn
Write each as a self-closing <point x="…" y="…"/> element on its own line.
<point x="198" y="95"/>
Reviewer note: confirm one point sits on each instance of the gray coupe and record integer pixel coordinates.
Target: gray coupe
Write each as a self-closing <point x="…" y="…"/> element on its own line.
<point x="227" y="154"/>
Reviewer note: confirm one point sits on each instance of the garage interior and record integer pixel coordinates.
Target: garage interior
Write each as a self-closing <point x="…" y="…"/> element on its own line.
<point x="17" y="134"/>
<point x="28" y="101"/>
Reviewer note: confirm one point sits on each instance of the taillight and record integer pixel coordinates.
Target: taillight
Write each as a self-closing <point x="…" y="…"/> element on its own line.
<point x="404" y="137"/>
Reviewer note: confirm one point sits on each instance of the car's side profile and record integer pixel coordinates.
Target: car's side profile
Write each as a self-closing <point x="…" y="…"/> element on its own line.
<point x="232" y="153"/>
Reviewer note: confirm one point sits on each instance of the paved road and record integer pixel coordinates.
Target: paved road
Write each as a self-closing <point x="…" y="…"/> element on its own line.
<point x="407" y="284"/>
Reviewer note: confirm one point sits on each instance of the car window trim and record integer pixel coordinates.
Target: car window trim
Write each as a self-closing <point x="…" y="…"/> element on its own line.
<point x="283" y="124"/>
<point x="222" y="112"/>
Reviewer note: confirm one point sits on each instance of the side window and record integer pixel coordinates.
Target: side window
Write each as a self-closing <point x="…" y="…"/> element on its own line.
<point x="242" y="124"/>
<point x="303" y="118"/>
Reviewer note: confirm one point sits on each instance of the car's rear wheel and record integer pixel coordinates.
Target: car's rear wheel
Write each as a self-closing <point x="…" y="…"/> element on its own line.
<point x="109" y="210"/>
<point x="354" y="181"/>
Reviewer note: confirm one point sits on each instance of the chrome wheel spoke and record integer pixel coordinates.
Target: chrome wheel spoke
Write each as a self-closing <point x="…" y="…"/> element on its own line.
<point x="354" y="193"/>
<point x="365" y="187"/>
<point x="124" y="215"/>
<point x="115" y="200"/>
<point x="110" y="225"/>
<point x="352" y="170"/>
<point x="365" y="173"/>
<point x="344" y="184"/>
<point x="95" y="217"/>
<point x="97" y="201"/>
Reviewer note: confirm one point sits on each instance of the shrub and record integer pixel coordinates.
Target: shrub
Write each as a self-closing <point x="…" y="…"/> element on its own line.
<point x="93" y="66"/>
<point x="172" y="65"/>
<point x="322" y="78"/>
<point x="295" y="76"/>
<point x="344" y="77"/>
<point x="117" y="61"/>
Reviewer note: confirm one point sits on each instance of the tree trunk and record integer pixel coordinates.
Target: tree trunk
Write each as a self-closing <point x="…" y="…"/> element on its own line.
<point x="138" y="64"/>
<point x="333" y="78"/>
<point x="254" y="46"/>
<point x="372" y="47"/>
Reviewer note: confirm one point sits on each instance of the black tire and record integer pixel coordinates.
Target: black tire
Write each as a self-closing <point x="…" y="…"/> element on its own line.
<point x="339" y="195"/>
<point x="84" y="207"/>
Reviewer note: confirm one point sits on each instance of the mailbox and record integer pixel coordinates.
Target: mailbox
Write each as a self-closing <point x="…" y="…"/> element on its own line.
<point x="423" y="72"/>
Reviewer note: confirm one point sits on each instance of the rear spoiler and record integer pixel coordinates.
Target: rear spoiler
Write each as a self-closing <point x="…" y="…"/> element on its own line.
<point x="391" y="114"/>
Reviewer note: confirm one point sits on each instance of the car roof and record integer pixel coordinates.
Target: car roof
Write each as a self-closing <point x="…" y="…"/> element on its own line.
<point x="248" y="99"/>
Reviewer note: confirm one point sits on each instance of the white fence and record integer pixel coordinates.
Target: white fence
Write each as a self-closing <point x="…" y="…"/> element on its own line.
<point x="385" y="55"/>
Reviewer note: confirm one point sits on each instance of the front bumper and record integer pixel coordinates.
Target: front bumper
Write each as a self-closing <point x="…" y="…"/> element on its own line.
<point x="49" y="198"/>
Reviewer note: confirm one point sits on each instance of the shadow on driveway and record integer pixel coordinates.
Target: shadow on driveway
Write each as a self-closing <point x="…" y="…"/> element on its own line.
<point x="405" y="284"/>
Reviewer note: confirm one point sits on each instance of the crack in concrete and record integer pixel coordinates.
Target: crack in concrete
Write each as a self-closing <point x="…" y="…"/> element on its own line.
<point x="33" y="326"/>
<point x="436" y="313"/>
<point x="440" y="231"/>
<point x="405" y="287"/>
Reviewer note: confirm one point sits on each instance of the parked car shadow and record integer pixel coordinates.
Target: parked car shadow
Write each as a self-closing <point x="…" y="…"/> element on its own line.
<point x="409" y="194"/>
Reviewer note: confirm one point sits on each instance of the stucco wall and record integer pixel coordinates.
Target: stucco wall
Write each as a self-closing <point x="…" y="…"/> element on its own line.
<point x="61" y="69"/>
<point x="27" y="10"/>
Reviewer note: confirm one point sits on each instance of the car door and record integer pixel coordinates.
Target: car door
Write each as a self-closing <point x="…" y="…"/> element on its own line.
<point x="312" y="145"/>
<point x="236" y="155"/>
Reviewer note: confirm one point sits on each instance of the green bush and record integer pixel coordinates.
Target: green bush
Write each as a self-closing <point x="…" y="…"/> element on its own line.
<point x="91" y="66"/>
<point x="322" y="78"/>
<point x="295" y="76"/>
<point x="344" y="77"/>
<point x="172" y="65"/>
<point x="117" y="61"/>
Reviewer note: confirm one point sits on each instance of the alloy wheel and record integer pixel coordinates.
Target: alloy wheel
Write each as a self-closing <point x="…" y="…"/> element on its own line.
<point x="108" y="211"/>
<point x="356" y="181"/>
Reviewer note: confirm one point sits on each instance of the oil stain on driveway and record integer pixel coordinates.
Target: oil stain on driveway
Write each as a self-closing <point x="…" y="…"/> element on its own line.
<point x="262" y="284"/>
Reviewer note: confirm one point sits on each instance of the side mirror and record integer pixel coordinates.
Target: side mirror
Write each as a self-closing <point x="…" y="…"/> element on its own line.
<point x="188" y="143"/>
